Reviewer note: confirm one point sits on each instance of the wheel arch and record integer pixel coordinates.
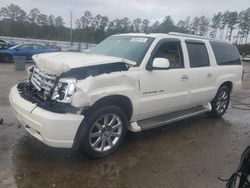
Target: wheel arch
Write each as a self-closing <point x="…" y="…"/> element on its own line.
<point x="5" y="54"/>
<point x="121" y="101"/>
<point x="228" y="84"/>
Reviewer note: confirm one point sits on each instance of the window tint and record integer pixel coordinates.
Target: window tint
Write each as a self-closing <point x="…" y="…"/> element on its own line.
<point x="171" y="51"/>
<point x="37" y="47"/>
<point x="198" y="55"/>
<point x="25" y="47"/>
<point x="225" y="53"/>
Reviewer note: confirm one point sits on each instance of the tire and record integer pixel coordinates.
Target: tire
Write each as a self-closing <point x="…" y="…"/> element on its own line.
<point x="6" y="58"/>
<point x="220" y="102"/>
<point x="98" y="136"/>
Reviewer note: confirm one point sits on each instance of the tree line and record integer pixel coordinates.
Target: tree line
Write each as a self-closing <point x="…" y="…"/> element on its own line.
<point x="14" y="21"/>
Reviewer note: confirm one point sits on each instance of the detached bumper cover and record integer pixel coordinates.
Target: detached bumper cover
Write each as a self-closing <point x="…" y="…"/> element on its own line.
<point x="53" y="129"/>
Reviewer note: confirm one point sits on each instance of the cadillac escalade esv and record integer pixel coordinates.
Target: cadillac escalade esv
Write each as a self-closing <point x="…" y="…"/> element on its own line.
<point x="127" y="82"/>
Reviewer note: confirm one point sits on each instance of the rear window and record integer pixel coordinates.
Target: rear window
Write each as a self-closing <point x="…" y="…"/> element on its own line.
<point x="225" y="53"/>
<point x="198" y="55"/>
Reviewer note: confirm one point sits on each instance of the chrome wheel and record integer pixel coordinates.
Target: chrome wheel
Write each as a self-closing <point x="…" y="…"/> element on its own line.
<point x="105" y="132"/>
<point x="222" y="101"/>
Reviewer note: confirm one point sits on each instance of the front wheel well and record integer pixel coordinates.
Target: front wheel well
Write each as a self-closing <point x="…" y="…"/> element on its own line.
<point x="118" y="100"/>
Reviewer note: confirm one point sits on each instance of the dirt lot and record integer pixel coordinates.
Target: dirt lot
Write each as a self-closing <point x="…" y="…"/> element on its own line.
<point x="191" y="153"/>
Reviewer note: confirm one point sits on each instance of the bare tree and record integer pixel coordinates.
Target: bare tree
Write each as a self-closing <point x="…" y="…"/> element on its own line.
<point x="232" y="21"/>
<point x="215" y="24"/>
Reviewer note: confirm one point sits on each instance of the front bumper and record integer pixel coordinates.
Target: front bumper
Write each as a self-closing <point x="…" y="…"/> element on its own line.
<point x="53" y="129"/>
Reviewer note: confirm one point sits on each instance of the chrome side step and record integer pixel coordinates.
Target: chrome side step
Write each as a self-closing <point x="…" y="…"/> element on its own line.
<point x="170" y="118"/>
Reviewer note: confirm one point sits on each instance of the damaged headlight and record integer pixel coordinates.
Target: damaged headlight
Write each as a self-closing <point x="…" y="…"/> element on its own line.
<point x="29" y="71"/>
<point x="64" y="90"/>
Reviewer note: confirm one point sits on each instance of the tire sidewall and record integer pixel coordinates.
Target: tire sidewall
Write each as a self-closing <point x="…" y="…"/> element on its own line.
<point x="6" y="58"/>
<point x="86" y="126"/>
<point x="214" y="111"/>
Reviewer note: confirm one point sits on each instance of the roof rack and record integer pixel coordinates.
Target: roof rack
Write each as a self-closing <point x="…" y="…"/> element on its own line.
<point x="191" y="36"/>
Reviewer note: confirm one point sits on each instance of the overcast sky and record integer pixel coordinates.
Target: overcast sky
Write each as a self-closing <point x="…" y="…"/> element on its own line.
<point x="150" y="9"/>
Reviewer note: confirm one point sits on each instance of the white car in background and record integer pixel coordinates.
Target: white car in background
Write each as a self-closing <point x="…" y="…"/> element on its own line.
<point x="130" y="82"/>
<point x="246" y="58"/>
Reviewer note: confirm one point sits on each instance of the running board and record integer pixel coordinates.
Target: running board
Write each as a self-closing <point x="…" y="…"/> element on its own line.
<point x="170" y="118"/>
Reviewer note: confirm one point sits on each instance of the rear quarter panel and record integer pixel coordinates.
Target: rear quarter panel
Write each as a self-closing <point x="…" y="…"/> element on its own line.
<point x="225" y="73"/>
<point x="232" y="73"/>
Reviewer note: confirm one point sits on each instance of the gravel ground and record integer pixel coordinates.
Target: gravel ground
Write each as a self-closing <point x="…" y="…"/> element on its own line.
<point x="190" y="153"/>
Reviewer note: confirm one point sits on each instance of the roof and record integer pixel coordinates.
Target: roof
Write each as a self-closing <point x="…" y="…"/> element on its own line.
<point x="171" y="35"/>
<point x="153" y="35"/>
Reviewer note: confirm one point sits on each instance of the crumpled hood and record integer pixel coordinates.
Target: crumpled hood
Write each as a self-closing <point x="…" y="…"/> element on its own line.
<point x="59" y="62"/>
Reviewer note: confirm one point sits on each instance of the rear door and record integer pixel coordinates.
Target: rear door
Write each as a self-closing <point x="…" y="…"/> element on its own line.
<point x="200" y="74"/>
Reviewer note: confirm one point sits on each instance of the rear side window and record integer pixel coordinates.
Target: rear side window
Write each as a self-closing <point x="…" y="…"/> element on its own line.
<point x="225" y="53"/>
<point x="37" y="47"/>
<point x="198" y="55"/>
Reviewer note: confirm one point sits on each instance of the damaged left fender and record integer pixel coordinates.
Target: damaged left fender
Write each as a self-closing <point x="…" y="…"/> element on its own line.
<point x="94" y="88"/>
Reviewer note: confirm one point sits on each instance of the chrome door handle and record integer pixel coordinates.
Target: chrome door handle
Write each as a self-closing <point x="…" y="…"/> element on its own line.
<point x="184" y="78"/>
<point x="209" y="75"/>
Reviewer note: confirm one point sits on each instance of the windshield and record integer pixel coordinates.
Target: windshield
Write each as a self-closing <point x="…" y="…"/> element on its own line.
<point x="129" y="47"/>
<point x="14" y="47"/>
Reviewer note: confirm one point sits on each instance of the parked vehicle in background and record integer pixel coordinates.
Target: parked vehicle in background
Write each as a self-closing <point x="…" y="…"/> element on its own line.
<point x="128" y="81"/>
<point x="3" y="44"/>
<point x="27" y="50"/>
<point x="74" y="49"/>
<point x="58" y="48"/>
<point x="246" y="58"/>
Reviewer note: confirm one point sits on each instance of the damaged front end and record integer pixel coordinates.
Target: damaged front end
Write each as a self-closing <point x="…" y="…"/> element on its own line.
<point x="55" y="92"/>
<point x="48" y="92"/>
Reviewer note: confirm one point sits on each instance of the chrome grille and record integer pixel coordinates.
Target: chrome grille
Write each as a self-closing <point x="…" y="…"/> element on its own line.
<point x="42" y="81"/>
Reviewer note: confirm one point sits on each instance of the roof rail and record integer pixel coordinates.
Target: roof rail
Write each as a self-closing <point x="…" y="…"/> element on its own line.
<point x="189" y="35"/>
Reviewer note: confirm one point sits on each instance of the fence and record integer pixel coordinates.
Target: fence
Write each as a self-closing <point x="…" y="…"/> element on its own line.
<point x="65" y="45"/>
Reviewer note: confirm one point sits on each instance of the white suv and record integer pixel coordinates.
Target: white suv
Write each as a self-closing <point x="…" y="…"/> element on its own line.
<point x="128" y="81"/>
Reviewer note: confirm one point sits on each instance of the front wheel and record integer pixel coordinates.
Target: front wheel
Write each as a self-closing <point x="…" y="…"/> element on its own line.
<point x="220" y="102"/>
<point x="6" y="58"/>
<point x="103" y="131"/>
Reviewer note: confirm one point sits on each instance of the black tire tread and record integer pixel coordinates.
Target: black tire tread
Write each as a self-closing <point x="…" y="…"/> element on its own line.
<point x="214" y="112"/>
<point x="86" y="124"/>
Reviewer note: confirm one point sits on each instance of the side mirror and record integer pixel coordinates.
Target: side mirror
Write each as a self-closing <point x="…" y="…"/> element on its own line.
<point x="160" y="63"/>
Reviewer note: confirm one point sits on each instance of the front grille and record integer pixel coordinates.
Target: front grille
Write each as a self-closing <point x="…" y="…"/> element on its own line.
<point x="42" y="82"/>
<point x="28" y="92"/>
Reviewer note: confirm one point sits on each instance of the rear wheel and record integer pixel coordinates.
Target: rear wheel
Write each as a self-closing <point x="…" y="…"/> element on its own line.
<point x="220" y="102"/>
<point x="103" y="131"/>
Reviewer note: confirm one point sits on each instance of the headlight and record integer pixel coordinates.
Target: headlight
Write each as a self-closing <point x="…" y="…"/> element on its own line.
<point x="30" y="70"/>
<point x="64" y="90"/>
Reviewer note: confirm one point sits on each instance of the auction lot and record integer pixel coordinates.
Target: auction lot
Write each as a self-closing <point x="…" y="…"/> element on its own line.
<point x="190" y="153"/>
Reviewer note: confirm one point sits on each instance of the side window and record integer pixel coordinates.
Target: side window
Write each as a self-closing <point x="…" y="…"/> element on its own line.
<point x="198" y="55"/>
<point x="171" y="51"/>
<point x="37" y="47"/>
<point x="225" y="53"/>
<point x="24" y="47"/>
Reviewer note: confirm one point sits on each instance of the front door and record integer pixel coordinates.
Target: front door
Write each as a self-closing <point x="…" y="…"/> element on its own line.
<point x="164" y="91"/>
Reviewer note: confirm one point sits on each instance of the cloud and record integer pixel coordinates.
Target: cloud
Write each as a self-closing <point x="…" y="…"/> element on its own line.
<point x="152" y="10"/>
